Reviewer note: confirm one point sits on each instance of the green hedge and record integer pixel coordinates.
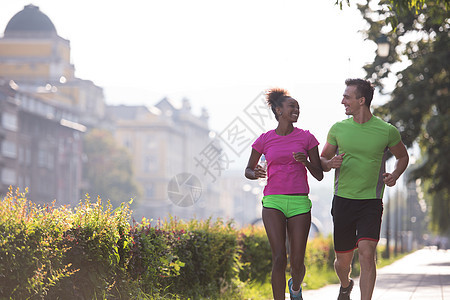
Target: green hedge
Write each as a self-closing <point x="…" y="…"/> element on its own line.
<point x="256" y="255"/>
<point x="94" y="252"/>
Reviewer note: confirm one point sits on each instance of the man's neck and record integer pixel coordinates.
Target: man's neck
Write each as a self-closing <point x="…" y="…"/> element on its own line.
<point x="362" y="116"/>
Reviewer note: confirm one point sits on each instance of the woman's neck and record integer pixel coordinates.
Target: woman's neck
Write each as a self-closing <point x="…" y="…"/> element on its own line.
<point x="284" y="129"/>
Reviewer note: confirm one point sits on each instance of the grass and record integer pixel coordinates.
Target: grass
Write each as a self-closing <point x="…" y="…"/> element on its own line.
<point x="257" y="290"/>
<point x="315" y="278"/>
<point x="383" y="262"/>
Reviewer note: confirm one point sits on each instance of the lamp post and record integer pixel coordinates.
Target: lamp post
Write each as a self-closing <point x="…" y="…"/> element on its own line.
<point x="383" y="48"/>
<point x="387" y="251"/>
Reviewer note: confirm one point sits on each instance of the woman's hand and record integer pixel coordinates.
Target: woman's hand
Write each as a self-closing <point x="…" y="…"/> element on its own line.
<point x="300" y="157"/>
<point x="254" y="170"/>
<point x="313" y="165"/>
<point x="260" y="172"/>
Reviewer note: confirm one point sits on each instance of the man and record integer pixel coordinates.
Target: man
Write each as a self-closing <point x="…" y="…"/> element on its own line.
<point x="356" y="148"/>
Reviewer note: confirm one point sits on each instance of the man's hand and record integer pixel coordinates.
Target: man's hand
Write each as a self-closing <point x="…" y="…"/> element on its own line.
<point x="401" y="154"/>
<point x="389" y="179"/>
<point x="336" y="161"/>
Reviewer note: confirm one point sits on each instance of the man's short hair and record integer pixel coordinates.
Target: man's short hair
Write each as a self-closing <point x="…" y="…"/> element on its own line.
<point x="363" y="89"/>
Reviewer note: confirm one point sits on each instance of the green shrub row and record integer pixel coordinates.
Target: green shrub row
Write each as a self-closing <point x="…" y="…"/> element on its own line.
<point x="94" y="252"/>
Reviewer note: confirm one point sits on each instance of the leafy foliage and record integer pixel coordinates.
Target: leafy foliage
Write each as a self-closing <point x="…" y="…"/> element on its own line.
<point x="152" y="258"/>
<point x="320" y="253"/>
<point x="93" y="252"/>
<point x="210" y="253"/>
<point x="31" y="247"/>
<point x="419" y="105"/>
<point x="399" y="8"/>
<point x="97" y="243"/>
<point x="256" y="255"/>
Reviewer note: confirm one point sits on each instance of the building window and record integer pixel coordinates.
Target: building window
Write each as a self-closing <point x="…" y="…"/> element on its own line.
<point x="8" y="176"/>
<point x="150" y="164"/>
<point x="149" y="191"/>
<point x="50" y="161"/>
<point x="21" y="155"/>
<point x="127" y="143"/>
<point x="21" y="183"/>
<point x="27" y="181"/>
<point x="29" y="104"/>
<point x="27" y="156"/>
<point x="9" y="121"/>
<point x="42" y="158"/>
<point x="46" y="158"/>
<point x="9" y="149"/>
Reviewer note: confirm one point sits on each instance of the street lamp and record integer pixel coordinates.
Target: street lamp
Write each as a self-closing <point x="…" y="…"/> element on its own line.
<point x="383" y="46"/>
<point x="387" y="251"/>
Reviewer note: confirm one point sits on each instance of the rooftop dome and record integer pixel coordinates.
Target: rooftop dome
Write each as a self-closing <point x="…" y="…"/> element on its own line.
<point x="31" y="22"/>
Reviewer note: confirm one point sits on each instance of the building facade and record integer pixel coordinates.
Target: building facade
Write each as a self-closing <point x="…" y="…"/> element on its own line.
<point x="166" y="141"/>
<point x="40" y="148"/>
<point x="44" y="110"/>
<point x="37" y="59"/>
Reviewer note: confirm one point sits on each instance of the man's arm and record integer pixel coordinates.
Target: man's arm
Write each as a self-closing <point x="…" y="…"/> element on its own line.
<point x="401" y="154"/>
<point x="328" y="159"/>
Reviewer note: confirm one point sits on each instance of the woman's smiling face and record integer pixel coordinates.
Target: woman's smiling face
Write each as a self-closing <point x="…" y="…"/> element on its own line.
<point x="290" y="110"/>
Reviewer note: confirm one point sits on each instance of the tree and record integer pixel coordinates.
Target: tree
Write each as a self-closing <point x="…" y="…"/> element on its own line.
<point x="406" y="6"/>
<point x="420" y="104"/>
<point x="108" y="169"/>
<point x="403" y="7"/>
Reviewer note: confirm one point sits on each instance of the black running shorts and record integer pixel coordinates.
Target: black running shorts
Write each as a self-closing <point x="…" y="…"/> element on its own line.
<point x="355" y="220"/>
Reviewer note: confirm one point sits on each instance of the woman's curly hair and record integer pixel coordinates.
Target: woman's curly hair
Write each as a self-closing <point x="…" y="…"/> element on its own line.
<point x="275" y="98"/>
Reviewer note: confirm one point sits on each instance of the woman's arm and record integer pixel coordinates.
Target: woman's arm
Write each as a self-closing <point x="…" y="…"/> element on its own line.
<point x="313" y="165"/>
<point x="253" y="170"/>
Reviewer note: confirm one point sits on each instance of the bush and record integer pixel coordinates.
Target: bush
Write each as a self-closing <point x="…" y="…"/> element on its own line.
<point x="320" y="253"/>
<point x="152" y="257"/>
<point x="97" y="244"/>
<point x="209" y="253"/>
<point x="31" y="247"/>
<point x="93" y="252"/>
<point x="57" y="253"/>
<point x="256" y="255"/>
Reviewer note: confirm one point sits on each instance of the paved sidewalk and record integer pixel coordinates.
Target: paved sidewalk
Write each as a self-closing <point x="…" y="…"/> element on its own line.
<point x="424" y="275"/>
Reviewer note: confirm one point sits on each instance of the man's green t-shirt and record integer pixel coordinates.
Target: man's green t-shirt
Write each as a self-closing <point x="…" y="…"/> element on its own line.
<point x="365" y="145"/>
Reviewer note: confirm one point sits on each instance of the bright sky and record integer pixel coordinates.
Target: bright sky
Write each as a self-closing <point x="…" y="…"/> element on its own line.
<point x="218" y="54"/>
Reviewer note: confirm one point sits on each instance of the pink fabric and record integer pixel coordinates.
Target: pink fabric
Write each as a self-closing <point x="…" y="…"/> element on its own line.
<point x="284" y="174"/>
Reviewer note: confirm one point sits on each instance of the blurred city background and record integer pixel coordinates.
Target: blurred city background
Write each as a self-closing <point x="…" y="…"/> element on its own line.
<point x="160" y="104"/>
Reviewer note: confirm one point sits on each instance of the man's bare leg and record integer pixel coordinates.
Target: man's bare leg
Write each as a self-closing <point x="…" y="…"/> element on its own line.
<point x="367" y="251"/>
<point x="343" y="267"/>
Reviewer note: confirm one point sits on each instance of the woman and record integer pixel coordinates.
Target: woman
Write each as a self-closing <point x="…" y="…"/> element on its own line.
<point x="289" y="152"/>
